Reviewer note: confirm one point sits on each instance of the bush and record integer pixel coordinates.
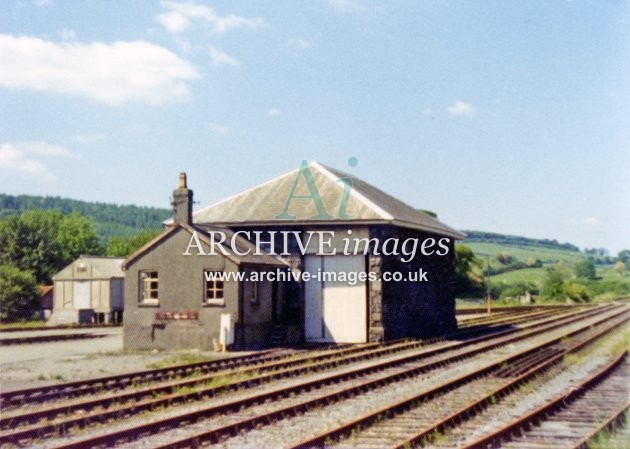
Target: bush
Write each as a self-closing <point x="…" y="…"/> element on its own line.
<point x="19" y="295"/>
<point x="467" y="282"/>
<point x="612" y="286"/>
<point x="576" y="292"/>
<point x="517" y="289"/>
<point x="585" y="268"/>
<point x="533" y="262"/>
<point x="553" y="285"/>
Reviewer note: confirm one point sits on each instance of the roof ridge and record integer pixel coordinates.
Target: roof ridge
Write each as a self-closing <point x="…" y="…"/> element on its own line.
<point x="358" y="195"/>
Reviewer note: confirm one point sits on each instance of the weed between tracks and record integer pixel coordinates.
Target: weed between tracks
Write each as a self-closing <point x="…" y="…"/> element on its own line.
<point x="185" y="358"/>
<point x="614" y="438"/>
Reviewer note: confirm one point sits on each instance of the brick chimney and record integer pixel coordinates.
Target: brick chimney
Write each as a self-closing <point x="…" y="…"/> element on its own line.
<point x="182" y="201"/>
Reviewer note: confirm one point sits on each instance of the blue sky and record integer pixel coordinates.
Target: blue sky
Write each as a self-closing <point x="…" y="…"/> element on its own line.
<point x="504" y="116"/>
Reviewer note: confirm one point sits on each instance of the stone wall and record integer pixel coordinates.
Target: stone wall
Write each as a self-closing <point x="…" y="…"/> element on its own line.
<point x="401" y="309"/>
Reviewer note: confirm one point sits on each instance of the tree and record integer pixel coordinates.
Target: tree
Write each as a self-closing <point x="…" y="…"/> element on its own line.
<point x="19" y="295"/>
<point x="620" y="267"/>
<point x="553" y="285"/>
<point x="28" y="241"/>
<point x="624" y="256"/>
<point x="77" y="237"/>
<point x="45" y="241"/>
<point x="466" y="280"/>
<point x="585" y="268"/>
<point x="124" y="246"/>
<point x="428" y="212"/>
<point x="504" y="258"/>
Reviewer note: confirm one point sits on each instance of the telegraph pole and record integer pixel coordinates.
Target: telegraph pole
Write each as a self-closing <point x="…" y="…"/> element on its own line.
<point x="488" y="297"/>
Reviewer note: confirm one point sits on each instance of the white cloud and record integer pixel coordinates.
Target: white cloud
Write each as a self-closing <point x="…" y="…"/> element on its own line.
<point x="219" y="129"/>
<point x="110" y="73"/>
<point x="299" y="43"/>
<point x="179" y="17"/>
<point x="274" y="112"/>
<point x="346" y="5"/>
<point x="68" y="34"/>
<point x="88" y="138"/>
<point x="589" y="223"/>
<point x="461" y="108"/>
<point x="21" y="157"/>
<point x="220" y="58"/>
<point x="44" y="149"/>
<point x="41" y="3"/>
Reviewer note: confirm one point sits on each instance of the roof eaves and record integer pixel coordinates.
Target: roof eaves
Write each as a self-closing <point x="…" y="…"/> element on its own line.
<point x="233" y="257"/>
<point x="449" y="232"/>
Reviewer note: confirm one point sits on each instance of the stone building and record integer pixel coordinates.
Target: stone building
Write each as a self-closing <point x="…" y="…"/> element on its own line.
<point x="174" y="302"/>
<point x="336" y="228"/>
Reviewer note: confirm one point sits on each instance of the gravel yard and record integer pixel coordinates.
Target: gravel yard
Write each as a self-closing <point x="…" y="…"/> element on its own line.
<point x="33" y="365"/>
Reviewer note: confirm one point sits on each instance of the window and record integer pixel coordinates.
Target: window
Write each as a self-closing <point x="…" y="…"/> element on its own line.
<point x="149" y="287"/>
<point x="214" y="288"/>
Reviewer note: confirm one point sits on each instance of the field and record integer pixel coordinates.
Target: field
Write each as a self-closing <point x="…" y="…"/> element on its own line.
<point x="545" y="255"/>
<point x="505" y="278"/>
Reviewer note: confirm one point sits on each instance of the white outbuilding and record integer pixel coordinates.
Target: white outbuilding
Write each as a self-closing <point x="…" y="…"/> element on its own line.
<point x="89" y="291"/>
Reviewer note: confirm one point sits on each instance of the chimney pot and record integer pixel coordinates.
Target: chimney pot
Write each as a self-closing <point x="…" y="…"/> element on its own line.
<point x="182" y="201"/>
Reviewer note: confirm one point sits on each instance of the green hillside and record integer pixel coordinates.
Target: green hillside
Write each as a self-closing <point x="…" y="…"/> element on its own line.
<point x="518" y="241"/>
<point x="546" y="255"/>
<point x="109" y="220"/>
<point x="518" y="265"/>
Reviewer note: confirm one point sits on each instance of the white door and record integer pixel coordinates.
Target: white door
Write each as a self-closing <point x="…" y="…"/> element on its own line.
<point x="81" y="296"/>
<point x="335" y="310"/>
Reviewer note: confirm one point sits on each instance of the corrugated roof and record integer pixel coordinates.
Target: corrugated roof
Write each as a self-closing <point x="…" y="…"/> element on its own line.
<point x="366" y="204"/>
<point x="98" y="267"/>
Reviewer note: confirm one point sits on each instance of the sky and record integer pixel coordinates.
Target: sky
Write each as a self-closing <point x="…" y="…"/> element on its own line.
<point x="500" y="116"/>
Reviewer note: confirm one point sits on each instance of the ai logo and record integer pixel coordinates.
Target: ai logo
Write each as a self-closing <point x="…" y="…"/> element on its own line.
<point x="315" y="197"/>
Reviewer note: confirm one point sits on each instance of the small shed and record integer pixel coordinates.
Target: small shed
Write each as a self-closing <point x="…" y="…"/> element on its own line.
<point x="89" y="291"/>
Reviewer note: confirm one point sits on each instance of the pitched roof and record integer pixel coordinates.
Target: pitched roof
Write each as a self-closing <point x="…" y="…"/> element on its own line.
<point x="97" y="267"/>
<point x="241" y="243"/>
<point x="366" y="204"/>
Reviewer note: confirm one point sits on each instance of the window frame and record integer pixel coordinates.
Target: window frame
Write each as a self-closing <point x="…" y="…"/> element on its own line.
<point x="212" y="302"/>
<point x="142" y="299"/>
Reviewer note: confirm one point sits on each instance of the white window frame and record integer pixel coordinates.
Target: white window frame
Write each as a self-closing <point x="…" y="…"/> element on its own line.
<point x="212" y="286"/>
<point x="145" y="277"/>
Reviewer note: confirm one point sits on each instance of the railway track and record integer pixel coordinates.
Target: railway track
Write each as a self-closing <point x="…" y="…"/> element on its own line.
<point x="509" y="318"/>
<point x="60" y="327"/>
<point x="264" y="361"/>
<point x="317" y="405"/>
<point x="509" y="309"/>
<point x="419" y="420"/>
<point x="48" y="338"/>
<point x="572" y="418"/>
<point x="356" y="381"/>
<point x="280" y="369"/>
<point x="136" y="379"/>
